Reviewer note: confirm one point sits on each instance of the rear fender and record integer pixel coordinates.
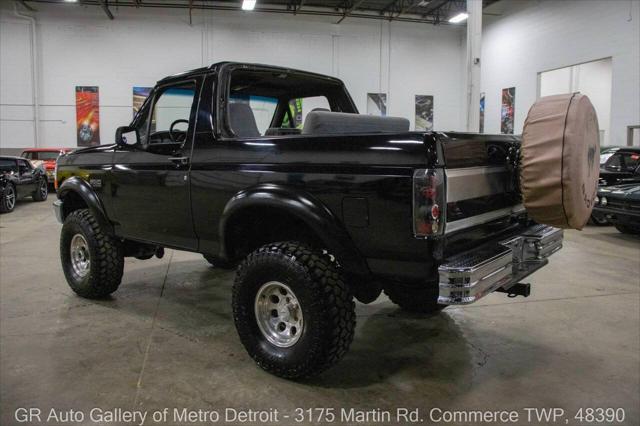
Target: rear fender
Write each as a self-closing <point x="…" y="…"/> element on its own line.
<point x="325" y="225"/>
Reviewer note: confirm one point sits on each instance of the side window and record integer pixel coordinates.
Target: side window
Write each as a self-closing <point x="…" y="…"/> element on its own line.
<point x="171" y="113"/>
<point x="249" y="115"/>
<point x="30" y="155"/>
<point x="24" y="166"/>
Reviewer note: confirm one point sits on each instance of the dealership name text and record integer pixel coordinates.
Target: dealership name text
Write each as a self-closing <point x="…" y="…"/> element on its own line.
<point x="275" y="416"/>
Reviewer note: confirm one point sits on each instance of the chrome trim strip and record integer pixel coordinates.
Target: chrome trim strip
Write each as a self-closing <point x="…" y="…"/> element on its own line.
<point x="474" y="182"/>
<point x="468" y="222"/>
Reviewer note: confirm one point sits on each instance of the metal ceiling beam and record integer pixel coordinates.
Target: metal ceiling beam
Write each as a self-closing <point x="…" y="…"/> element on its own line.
<point x="26" y="6"/>
<point x="351" y="9"/>
<point x="177" y="4"/>
<point x="105" y="7"/>
<point x="433" y="6"/>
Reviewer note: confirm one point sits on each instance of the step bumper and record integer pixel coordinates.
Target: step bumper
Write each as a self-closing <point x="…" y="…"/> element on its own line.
<point x="467" y="277"/>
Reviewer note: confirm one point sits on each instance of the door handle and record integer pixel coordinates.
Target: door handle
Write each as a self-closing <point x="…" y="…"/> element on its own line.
<point x="179" y="161"/>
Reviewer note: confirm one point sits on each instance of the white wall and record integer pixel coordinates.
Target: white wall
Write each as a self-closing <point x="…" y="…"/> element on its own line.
<point x="79" y="46"/>
<point x="534" y="36"/>
<point x="592" y="79"/>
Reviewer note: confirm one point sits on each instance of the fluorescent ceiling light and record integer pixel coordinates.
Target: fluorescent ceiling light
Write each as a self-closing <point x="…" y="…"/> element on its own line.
<point x="459" y="18"/>
<point x="71" y="1"/>
<point x="248" y="4"/>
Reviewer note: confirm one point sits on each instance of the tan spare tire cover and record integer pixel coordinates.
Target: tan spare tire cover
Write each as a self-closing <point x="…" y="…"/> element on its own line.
<point x="560" y="160"/>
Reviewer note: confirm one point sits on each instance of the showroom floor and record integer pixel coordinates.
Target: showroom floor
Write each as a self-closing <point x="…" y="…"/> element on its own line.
<point x="166" y="338"/>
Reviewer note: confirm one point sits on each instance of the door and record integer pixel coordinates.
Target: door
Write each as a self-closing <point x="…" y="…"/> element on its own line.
<point x="150" y="180"/>
<point x="28" y="178"/>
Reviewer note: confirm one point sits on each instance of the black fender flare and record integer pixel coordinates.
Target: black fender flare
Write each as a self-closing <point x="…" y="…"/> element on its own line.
<point x="80" y="187"/>
<point x="305" y="207"/>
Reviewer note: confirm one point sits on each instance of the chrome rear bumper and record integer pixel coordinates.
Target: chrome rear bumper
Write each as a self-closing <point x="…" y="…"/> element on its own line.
<point x="469" y="276"/>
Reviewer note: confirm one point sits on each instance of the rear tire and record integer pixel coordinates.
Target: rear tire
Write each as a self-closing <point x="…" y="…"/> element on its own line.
<point x="292" y="309"/>
<point x="414" y="299"/>
<point x="42" y="192"/>
<point x="92" y="261"/>
<point x="8" y="201"/>
<point x="626" y="229"/>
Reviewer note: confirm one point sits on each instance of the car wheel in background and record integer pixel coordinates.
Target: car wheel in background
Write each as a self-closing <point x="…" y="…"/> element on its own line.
<point x="293" y="311"/>
<point x="42" y="192"/>
<point x="625" y="229"/>
<point x="92" y="261"/>
<point x="8" y="201"/>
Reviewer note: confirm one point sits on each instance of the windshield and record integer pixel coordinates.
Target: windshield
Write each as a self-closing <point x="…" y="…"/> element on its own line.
<point x="41" y="155"/>
<point x="623" y="161"/>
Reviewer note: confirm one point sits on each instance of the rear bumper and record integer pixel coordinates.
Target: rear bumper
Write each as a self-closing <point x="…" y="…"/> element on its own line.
<point x="467" y="277"/>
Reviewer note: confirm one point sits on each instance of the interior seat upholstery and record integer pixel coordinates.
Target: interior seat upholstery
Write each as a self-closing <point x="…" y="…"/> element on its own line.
<point x="242" y="120"/>
<point x="340" y="123"/>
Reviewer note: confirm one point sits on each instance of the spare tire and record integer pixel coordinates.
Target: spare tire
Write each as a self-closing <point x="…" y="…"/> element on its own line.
<point x="559" y="160"/>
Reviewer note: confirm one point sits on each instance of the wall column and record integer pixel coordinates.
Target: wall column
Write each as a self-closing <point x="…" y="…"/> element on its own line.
<point x="474" y="47"/>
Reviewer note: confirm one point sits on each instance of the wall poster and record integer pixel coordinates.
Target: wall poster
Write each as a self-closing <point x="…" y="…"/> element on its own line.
<point x="481" y="128"/>
<point x="377" y="104"/>
<point x="140" y="94"/>
<point x="87" y="115"/>
<point x="508" y="109"/>
<point x="424" y="112"/>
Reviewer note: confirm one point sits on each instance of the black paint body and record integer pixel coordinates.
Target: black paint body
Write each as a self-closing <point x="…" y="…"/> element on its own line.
<point x="352" y="193"/>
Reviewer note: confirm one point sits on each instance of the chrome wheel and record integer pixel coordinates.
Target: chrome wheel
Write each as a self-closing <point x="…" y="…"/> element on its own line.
<point x="44" y="191"/>
<point x="10" y="196"/>
<point x="278" y="314"/>
<point x="80" y="258"/>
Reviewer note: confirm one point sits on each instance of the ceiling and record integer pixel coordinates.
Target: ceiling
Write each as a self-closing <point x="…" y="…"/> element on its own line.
<point x="424" y="11"/>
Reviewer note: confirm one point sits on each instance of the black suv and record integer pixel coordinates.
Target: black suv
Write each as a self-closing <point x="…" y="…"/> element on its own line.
<point x="313" y="211"/>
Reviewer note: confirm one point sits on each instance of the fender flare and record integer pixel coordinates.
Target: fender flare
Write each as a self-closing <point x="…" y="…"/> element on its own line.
<point x="85" y="191"/>
<point x="303" y="206"/>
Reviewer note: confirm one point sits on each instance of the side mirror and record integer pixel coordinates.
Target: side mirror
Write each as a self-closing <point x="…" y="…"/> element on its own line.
<point x="126" y="136"/>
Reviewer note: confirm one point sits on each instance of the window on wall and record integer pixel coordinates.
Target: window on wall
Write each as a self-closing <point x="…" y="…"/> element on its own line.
<point x="592" y="79"/>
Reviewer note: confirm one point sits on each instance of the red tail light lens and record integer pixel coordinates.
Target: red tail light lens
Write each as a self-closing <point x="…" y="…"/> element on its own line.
<point x="428" y="196"/>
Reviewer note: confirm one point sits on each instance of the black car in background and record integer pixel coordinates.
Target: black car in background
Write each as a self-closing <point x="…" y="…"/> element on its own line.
<point x="618" y="165"/>
<point x="621" y="167"/>
<point x="620" y="205"/>
<point x="19" y="179"/>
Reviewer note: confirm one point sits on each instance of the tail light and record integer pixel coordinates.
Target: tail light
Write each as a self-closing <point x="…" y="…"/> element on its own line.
<point x="429" y="208"/>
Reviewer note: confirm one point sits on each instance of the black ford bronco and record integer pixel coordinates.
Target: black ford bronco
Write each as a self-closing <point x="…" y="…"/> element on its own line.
<point x="315" y="206"/>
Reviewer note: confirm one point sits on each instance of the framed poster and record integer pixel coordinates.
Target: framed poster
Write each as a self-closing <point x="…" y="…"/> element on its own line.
<point x="377" y="104"/>
<point x="508" y="109"/>
<point x="481" y="127"/>
<point x="424" y="112"/>
<point x="140" y="94"/>
<point x="87" y="116"/>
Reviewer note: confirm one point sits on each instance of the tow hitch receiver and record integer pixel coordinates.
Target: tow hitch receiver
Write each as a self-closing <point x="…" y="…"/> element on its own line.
<point x="519" y="289"/>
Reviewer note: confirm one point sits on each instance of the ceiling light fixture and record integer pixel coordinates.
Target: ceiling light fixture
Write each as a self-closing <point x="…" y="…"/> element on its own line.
<point x="71" y="1"/>
<point x="459" y="18"/>
<point x="248" y="4"/>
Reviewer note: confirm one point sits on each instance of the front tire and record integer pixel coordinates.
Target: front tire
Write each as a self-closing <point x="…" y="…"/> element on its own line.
<point x="292" y="309"/>
<point x="8" y="201"/>
<point x="414" y="299"/>
<point x="92" y="261"/>
<point x="42" y="192"/>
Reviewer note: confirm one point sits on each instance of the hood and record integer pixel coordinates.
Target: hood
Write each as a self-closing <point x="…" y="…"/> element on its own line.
<point x="626" y="191"/>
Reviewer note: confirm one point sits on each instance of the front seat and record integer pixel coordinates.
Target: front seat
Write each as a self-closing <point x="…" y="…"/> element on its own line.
<point x="242" y="120"/>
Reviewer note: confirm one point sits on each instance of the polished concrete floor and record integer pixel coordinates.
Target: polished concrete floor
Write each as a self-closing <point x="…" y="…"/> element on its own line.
<point x="166" y="340"/>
